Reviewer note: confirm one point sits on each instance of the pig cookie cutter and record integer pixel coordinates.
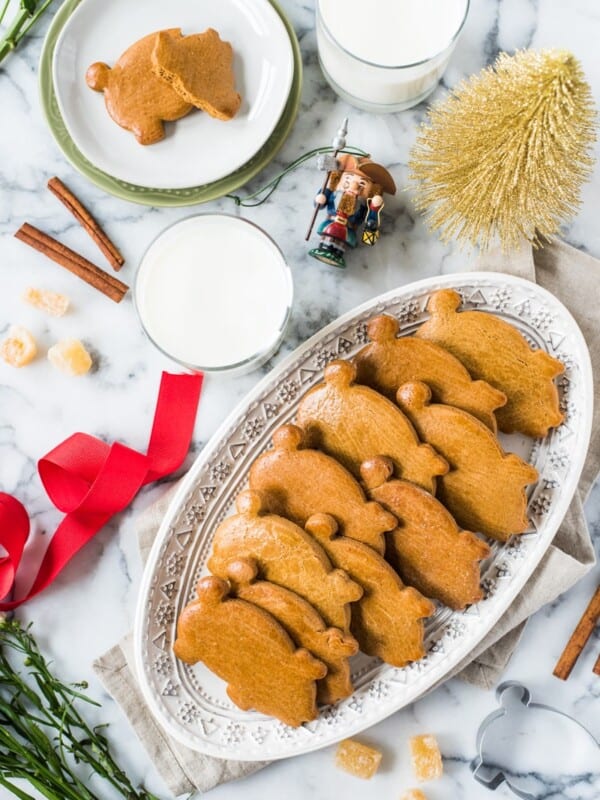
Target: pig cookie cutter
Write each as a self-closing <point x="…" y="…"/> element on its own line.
<point x="491" y="775"/>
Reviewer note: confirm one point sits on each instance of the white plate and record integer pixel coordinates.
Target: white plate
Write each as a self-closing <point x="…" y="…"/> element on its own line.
<point x="190" y="702"/>
<point x="197" y="149"/>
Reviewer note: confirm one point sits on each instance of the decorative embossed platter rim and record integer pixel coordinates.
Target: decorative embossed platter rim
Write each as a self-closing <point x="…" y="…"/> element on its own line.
<point x="189" y="702"/>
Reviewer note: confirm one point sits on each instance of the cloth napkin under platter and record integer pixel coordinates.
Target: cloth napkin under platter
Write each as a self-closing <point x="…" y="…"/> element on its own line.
<point x="574" y="278"/>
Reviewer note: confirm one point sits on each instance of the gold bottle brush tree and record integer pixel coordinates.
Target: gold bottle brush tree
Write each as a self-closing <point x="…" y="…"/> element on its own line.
<point x="504" y="156"/>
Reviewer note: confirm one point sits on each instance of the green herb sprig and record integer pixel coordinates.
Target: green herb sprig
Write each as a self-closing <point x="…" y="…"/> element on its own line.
<point x="27" y="15"/>
<point x="43" y="736"/>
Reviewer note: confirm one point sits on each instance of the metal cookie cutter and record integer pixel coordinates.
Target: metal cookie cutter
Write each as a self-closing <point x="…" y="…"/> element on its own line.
<point x="486" y="767"/>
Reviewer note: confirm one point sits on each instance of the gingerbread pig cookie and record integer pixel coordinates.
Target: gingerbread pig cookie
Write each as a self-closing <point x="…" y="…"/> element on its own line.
<point x="427" y="549"/>
<point x="296" y="482"/>
<point x="354" y="423"/>
<point x="286" y="555"/>
<point x="388" y="362"/>
<point x="485" y="487"/>
<point x="248" y="648"/>
<point x="200" y="69"/>
<point x="136" y="98"/>
<point x="388" y="619"/>
<point x="303" y="624"/>
<point x="494" y="351"/>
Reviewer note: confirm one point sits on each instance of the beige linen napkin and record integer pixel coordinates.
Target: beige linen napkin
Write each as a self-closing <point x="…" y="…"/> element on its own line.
<point x="574" y="278"/>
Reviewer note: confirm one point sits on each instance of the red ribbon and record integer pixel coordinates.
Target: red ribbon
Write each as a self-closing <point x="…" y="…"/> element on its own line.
<point x="92" y="481"/>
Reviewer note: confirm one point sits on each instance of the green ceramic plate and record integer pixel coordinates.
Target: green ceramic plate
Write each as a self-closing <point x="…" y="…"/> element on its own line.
<point x="142" y="194"/>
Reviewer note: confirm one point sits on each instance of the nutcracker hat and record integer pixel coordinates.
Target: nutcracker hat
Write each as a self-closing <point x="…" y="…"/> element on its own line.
<point x="364" y="166"/>
<point x="377" y="174"/>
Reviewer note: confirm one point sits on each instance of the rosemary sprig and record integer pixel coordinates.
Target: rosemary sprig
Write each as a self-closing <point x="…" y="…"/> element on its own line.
<point x="43" y="736"/>
<point x="28" y="13"/>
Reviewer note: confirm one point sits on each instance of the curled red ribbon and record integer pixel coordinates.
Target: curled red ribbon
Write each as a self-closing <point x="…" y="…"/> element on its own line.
<point x="92" y="481"/>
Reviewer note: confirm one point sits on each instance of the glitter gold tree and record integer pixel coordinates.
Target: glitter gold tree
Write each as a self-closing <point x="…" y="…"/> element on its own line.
<point x="505" y="155"/>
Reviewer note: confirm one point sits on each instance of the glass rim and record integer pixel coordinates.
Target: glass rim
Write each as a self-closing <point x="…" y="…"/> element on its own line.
<point x="255" y="358"/>
<point x="392" y="66"/>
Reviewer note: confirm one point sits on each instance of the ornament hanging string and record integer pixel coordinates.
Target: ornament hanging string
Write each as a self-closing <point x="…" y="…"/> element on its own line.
<point x="92" y="481"/>
<point x="268" y="189"/>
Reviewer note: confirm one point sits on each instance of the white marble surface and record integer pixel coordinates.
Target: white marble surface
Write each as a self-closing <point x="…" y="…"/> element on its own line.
<point x="92" y="603"/>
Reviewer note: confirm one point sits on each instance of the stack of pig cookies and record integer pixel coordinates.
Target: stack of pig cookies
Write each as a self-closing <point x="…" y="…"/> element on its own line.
<point x="370" y="508"/>
<point x="162" y="77"/>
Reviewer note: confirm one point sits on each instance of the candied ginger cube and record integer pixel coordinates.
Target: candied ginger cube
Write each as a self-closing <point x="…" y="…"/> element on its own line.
<point x="19" y="348"/>
<point x="70" y="356"/>
<point x="51" y="302"/>
<point x="357" y="759"/>
<point x="426" y="757"/>
<point x="413" y="794"/>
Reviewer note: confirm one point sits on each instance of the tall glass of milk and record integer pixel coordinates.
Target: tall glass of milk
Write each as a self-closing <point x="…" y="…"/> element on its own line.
<point x="387" y="55"/>
<point x="214" y="293"/>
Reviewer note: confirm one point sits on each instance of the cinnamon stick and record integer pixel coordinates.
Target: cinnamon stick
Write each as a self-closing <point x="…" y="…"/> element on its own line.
<point x="61" y="254"/>
<point x="597" y="666"/>
<point x="87" y="221"/>
<point x="579" y="639"/>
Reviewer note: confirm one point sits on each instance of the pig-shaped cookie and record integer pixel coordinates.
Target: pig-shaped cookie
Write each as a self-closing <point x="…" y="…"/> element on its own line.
<point x="388" y="362"/>
<point x="388" y="619"/>
<point x="248" y="648"/>
<point x="286" y="555"/>
<point x="297" y="482"/>
<point x="136" y="98"/>
<point x="485" y="487"/>
<point x="427" y="549"/>
<point x="303" y="624"/>
<point x="353" y="423"/>
<point x="200" y="69"/>
<point x="494" y="351"/>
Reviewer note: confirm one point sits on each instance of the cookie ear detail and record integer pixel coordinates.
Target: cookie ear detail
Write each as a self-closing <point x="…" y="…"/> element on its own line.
<point x="382" y="328"/>
<point x="550" y="366"/>
<point x="97" y="76"/>
<point x="340" y="373"/>
<point x="309" y="666"/>
<point x="444" y="302"/>
<point x="322" y="526"/>
<point x="249" y="503"/>
<point x="413" y="396"/>
<point x="341" y="644"/>
<point x="288" y="437"/>
<point x="376" y="471"/>
<point x="211" y="590"/>
<point x="242" y="572"/>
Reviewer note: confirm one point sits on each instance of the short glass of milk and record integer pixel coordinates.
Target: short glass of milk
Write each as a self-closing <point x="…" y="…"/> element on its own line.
<point x="387" y="55"/>
<point x="214" y="293"/>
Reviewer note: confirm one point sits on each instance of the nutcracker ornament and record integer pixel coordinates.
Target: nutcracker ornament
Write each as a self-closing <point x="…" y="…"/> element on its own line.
<point x="352" y="195"/>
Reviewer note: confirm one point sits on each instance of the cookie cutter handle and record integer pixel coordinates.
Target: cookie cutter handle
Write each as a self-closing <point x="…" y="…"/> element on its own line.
<point x="489" y="777"/>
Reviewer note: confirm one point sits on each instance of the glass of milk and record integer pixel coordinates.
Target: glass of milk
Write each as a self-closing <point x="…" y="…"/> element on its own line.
<point x="214" y="293"/>
<point x="387" y="55"/>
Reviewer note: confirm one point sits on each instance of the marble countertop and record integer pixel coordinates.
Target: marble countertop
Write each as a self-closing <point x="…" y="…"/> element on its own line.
<point x="92" y="604"/>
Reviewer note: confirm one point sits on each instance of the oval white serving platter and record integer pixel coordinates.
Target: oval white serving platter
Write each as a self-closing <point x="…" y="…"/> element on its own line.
<point x="190" y="702"/>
